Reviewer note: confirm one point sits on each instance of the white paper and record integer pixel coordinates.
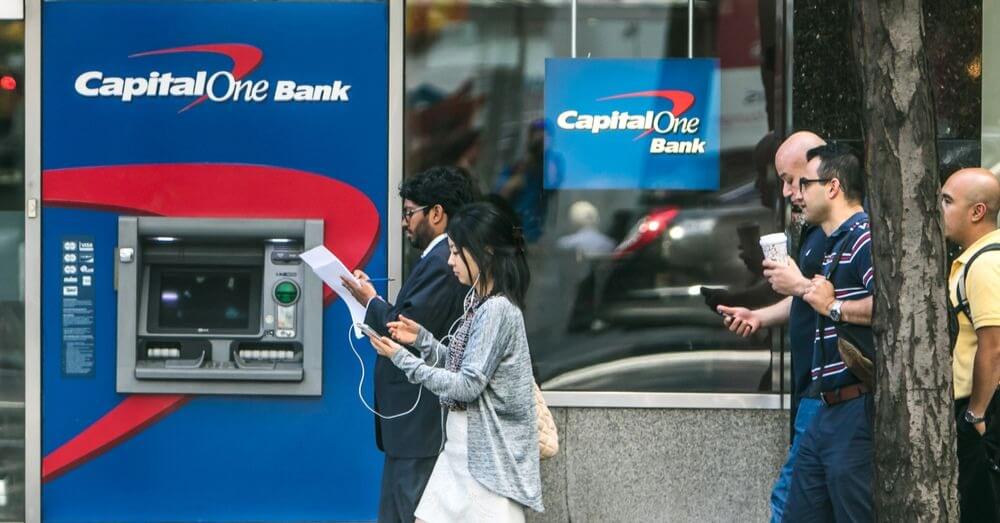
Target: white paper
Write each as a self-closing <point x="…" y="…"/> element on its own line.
<point x="329" y="268"/>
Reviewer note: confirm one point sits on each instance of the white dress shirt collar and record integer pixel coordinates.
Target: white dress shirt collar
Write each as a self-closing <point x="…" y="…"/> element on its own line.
<point x="441" y="237"/>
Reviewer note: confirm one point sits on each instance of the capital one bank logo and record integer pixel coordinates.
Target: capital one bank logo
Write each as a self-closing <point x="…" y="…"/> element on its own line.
<point x="215" y="86"/>
<point x="663" y="123"/>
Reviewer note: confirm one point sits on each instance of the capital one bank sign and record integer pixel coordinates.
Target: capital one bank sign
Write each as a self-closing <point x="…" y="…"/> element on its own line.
<point x="632" y="124"/>
<point x="204" y="85"/>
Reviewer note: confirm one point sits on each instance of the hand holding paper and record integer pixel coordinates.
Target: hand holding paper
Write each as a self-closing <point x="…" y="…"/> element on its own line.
<point x="330" y="269"/>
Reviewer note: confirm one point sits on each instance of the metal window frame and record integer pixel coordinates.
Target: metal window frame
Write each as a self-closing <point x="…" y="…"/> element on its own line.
<point x="666" y="400"/>
<point x="394" y="213"/>
<point x="33" y="261"/>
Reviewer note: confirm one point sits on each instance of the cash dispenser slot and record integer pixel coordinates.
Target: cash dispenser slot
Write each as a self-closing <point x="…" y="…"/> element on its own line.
<point x="161" y="350"/>
<point x="247" y="361"/>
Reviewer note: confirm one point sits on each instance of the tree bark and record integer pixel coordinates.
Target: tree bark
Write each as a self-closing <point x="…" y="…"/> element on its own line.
<point x="915" y="465"/>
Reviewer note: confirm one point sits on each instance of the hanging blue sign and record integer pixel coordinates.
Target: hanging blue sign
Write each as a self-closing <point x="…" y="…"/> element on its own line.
<point x="632" y="124"/>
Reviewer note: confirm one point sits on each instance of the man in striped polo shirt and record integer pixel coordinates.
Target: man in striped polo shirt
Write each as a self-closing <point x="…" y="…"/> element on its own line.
<point x="832" y="479"/>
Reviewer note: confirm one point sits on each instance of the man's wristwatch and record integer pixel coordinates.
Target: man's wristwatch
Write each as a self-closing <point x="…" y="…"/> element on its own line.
<point x="972" y="419"/>
<point x="835" y="309"/>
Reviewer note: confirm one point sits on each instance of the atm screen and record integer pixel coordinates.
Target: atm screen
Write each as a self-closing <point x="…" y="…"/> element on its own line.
<point x="193" y="298"/>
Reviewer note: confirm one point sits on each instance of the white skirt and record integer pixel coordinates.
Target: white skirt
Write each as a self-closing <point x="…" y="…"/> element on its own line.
<point x="452" y="494"/>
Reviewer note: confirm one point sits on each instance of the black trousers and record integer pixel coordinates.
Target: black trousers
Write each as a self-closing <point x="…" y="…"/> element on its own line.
<point x="979" y="465"/>
<point x="403" y="482"/>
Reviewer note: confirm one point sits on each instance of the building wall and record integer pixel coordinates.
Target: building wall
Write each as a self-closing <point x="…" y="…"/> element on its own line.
<point x="663" y="465"/>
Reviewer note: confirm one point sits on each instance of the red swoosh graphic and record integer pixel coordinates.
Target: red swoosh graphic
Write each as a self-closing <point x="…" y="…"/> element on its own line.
<point x="201" y="190"/>
<point x="245" y="59"/>
<point x="129" y="417"/>
<point x="214" y="190"/>
<point x="682" y="101"/>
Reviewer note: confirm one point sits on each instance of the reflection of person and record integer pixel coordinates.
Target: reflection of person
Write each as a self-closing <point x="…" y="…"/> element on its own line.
<point x="832" y="477"/>
<point x="490" y="465"/>
<point x="575" y="262"/>
<point x="587" y="240"/>
<point x="758" y="291"/>
<point x="762" y="153"/>
<point x="791" y="165"/>
<point x="970" y="200"/>
<point x="432" y="296"/>
<point x="523" y="184"/>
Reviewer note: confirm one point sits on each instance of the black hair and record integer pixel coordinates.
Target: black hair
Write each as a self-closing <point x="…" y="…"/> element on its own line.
<point x="449" y="187"/>
<point x="837" y="161"/>
<point x="495" y="241"/>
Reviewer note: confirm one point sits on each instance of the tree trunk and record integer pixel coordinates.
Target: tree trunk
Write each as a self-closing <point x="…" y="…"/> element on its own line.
<point x="915" y="465"/>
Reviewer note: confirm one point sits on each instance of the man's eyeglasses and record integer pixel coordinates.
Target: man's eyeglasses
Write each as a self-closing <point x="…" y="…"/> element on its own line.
<point x="408" y="213"/>
<point x="804" y="182"/>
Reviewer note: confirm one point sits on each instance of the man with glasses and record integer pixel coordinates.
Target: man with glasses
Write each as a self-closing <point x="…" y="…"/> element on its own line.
<point x="791" y="280"/>
<point x="432" y="296"/>
<point x="832" y="477"/>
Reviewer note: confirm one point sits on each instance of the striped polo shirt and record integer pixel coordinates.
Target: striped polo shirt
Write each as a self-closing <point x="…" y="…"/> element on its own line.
<point x="852" y="279"/>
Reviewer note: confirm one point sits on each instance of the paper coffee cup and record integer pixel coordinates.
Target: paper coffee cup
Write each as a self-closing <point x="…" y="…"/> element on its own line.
<point x="775" y="246"/>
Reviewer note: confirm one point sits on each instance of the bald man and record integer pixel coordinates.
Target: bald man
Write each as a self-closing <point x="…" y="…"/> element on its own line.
<point x="791" y="280"/>
<point x="970" y="200"/>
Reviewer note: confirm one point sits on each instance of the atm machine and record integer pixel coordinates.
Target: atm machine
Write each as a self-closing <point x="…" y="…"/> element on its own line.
<point x="218" y="306"/>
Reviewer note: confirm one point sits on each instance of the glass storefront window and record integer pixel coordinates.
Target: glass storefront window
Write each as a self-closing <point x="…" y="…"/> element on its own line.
<point x="12" y="273"/>
<point x="621" y="279"/>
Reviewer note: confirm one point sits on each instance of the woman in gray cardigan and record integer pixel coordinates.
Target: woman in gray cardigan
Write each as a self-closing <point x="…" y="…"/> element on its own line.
<point x="489" y="468"/>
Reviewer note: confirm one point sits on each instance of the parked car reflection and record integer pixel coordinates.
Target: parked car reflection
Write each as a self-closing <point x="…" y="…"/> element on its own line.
<point x="655" y="275"/>
<point x="638" y="320"/>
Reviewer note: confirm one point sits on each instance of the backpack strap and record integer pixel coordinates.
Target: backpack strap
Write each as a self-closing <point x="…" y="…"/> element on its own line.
<point x="960" y="294"/>
<point x="838" y="251"/>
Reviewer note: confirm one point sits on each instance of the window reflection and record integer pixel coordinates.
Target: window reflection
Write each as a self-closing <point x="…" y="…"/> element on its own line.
<point x="12" y="273"/>
<point x="623" y="281"/>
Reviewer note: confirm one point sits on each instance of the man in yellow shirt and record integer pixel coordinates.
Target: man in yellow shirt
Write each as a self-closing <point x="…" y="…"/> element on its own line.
<point x="970" y="201"/>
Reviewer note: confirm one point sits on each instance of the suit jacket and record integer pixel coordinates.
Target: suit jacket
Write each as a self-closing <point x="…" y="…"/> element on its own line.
<point x="432" y="296"/>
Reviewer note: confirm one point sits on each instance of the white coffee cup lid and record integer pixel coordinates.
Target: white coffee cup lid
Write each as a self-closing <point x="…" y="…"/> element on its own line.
<point x="771" y="239"/>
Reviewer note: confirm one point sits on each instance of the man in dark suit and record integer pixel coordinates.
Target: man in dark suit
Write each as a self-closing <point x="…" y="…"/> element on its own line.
<point x="432" y="296"/>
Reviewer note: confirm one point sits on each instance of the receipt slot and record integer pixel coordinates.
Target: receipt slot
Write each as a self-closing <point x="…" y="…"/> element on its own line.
<point x="219" y="306"/>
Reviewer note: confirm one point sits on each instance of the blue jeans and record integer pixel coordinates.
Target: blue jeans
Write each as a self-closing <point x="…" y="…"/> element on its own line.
<point x="832" y="480"/>
<point x="779" y="494"/>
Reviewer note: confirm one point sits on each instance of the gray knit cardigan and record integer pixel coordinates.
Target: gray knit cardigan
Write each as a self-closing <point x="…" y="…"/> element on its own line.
<point x="496" y="384"/>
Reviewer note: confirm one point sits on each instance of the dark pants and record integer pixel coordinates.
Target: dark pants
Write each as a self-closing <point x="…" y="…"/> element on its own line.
<point x="832" y="480"/>
<point x="978" y="456"/>
<point x="403" y="482"/>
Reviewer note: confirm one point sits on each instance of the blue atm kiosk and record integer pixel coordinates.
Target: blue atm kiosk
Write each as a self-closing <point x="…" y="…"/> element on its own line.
<point x="192" y="368"/>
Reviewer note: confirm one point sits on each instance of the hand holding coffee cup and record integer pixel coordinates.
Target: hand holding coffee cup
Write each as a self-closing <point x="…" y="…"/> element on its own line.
<point x="775" y="247"/>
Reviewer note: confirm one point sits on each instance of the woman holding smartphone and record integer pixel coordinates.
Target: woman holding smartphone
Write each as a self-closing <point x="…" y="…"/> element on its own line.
<point x="489" y="468"/>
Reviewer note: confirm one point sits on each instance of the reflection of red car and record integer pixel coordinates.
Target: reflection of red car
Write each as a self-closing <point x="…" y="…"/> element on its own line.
<point x="646" y="231"/>
<point x="656" y="272"/>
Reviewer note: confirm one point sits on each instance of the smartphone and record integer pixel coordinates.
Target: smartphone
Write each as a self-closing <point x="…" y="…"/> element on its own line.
<point x="368" y="330"/>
